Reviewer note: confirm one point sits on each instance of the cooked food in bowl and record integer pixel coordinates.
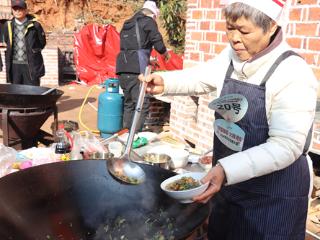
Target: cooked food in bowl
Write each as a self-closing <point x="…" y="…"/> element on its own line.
<point x="184" y="183"/>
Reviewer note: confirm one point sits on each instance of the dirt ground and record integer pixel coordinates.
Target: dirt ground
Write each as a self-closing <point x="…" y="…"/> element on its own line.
<point x="69" y="106"/>
<point x="56" y="15"/>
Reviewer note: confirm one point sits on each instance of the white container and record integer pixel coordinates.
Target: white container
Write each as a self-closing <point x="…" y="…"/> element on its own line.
<point x="206" y="162"/>
<point x="185" y="196"/>
<point x="179" y="158"/>
<point x="115" y="148"/>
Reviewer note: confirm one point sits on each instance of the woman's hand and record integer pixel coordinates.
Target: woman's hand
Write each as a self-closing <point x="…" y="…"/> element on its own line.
<point x="216" y="178"/>
<point x="155" y="83"/>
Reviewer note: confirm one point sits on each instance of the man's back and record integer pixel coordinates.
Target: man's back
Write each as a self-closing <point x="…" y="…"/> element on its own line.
<point x="138" y="36"/>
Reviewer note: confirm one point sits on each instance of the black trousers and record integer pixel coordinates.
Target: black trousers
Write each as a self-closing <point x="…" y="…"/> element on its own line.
<point x="131" y="88"/>
<point x="21" y="75"/>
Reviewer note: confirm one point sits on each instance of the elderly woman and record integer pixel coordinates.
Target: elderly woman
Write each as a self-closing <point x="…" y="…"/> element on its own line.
<point x="267" y="96"/>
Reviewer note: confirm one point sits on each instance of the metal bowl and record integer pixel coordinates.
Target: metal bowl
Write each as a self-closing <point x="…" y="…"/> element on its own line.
<point x="157" y="159"/>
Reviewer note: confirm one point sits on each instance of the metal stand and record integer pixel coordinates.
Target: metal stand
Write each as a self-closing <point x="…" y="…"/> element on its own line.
<point x="21" y="126"/>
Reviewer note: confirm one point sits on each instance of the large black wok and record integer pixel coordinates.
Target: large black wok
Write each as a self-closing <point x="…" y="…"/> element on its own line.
<point x="24" y="96"/>
<point x="24" y="109"/>
<point x="80" y="200"/>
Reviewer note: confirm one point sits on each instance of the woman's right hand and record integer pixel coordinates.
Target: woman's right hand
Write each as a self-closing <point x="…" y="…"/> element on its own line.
<point x="155" y="83"/>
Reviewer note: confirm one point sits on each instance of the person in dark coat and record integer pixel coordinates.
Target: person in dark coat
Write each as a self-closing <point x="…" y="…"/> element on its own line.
<point x="25" y="39"/>
<point x="138" y="36"/>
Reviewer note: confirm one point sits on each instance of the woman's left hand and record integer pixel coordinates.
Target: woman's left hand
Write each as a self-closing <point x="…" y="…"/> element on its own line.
<point x="216" y="176"/>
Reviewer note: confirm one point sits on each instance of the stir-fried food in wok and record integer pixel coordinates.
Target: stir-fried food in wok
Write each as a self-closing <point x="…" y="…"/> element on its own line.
<point x="126" y="179"/>
<point x="184" y="183"/>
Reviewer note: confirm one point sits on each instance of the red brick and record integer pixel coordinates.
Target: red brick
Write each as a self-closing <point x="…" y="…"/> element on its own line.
<point x="216" y="4"/>
<point x="220" y="26"/>
<point x="206" y="4"/>
<point x="304" y="29"/>
<point x="295" y="14"/>
<point x="205" y="25"/>
<point x="314" y="44"/>
<point x="307" y="2"/>
<point x="219" y="47"/>
<point x="314" y="13"/>
<point x="197" y="14"/>
<point x="195" y="56"/>
<point x="211" y="15"/>
<point x="196" y="36"/>
<point x="208" y="57"/>
<point x="294" y="42"/>
<point x="211" y="36"/>
<point x="205" y="47"/>
<point x="308" y="57"/>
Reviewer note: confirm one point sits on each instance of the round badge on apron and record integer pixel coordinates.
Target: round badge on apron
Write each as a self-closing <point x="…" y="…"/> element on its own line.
<point x="230" y="134"/>
<point x="232" y="107"/>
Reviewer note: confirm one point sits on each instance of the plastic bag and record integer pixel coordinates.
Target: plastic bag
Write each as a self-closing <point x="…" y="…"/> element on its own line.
<point x="36" y="156"/>
<point x="7" y="159"/>
<point x="88" y="145"/>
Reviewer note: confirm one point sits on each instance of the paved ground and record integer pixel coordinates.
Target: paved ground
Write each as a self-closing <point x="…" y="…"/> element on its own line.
<point x="69" y="106"/>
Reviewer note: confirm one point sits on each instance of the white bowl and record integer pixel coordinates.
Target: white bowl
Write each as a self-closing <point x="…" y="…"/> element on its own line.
<point x="185" y="196"/>
<point x="179" y="156"/>
<point x="116" y="148"/>
<point x="205" y="162"/>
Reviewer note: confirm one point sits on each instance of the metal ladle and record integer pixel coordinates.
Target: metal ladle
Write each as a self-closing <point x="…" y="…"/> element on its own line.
<point x="123" y="168"/>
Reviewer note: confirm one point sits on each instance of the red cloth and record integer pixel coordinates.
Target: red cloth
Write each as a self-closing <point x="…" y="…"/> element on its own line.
<point x="96" y="48"/>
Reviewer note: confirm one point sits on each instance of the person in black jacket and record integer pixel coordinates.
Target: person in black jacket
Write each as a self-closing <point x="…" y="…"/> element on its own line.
<point x="25" y="39"/>
<point x="138" y="36"/>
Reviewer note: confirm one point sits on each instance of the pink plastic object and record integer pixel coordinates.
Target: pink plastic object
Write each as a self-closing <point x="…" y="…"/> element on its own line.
<point x="26" y="164"/>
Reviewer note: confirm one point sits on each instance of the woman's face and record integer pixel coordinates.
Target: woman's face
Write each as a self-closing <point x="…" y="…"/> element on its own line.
<point x="246" y="38"/>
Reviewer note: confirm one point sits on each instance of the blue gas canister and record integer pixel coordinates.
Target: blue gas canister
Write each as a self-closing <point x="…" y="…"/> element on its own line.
<point x="110" y="109"/>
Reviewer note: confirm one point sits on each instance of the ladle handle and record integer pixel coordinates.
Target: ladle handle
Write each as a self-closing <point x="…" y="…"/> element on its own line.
<point x="136" y="117"/>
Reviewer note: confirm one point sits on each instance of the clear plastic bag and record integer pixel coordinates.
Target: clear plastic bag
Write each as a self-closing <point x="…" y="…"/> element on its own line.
<point x="88" y="145"/>
<point x="7" y="159"/>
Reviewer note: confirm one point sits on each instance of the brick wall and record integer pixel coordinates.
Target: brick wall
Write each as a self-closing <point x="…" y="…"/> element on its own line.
<point x="5" y="9"/>
<point x="190" y="117"/>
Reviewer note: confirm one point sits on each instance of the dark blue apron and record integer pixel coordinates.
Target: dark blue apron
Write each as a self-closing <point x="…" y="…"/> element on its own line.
<point x="272" y="206"/>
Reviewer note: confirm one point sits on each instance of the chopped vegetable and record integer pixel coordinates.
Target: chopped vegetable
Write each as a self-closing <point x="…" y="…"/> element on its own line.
<point x="126" y="179"/>
<point x="184" y="183"/>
